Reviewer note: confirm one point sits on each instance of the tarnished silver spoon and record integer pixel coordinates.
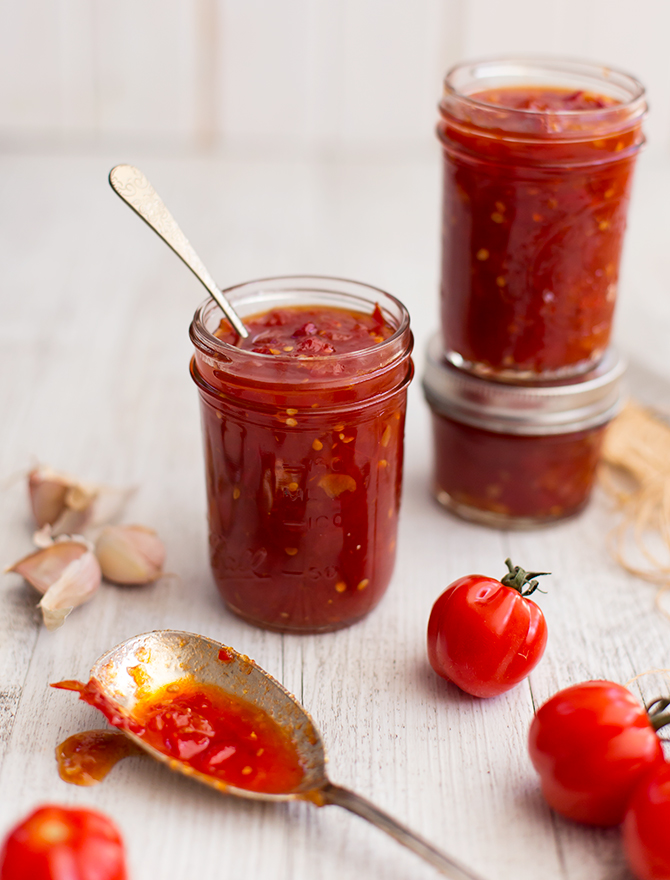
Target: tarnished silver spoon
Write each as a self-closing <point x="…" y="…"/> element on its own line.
<point x="151" y="661"/>
<point x="133" y="187"/>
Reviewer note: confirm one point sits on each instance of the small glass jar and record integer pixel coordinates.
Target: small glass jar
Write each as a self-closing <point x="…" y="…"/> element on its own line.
<point x="538" y="163"/>
<point x="303" y="460"/>
<point x="517" y="456"/>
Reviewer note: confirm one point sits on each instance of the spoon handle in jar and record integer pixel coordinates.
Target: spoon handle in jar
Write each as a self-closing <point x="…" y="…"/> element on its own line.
<point x="133" y="187"/>
<point x="342" y="797"/>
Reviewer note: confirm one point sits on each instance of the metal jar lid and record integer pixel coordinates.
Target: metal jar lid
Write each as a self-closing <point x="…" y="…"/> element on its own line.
<point x="549" y="408"/>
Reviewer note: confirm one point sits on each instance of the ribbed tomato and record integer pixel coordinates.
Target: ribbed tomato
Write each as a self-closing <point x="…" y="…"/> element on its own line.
<point x="486" y="635"/>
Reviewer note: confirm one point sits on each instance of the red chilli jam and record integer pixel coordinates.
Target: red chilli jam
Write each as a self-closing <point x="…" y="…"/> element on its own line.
<point x="538" y="164"/>
<point x="517" y="456"/>
<point x="303" y="425"/>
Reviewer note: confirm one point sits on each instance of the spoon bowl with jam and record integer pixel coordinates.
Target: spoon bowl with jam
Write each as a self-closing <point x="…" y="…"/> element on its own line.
<point x="211" y="713"/>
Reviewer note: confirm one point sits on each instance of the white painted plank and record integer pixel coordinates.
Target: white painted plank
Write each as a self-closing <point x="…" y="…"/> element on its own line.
<point x="146" y="68"/>
<point x="29" y="96"/>
<point x="299" y="76"/>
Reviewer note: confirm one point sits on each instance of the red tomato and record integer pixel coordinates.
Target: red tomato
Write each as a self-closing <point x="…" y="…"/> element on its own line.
<point x="591" y="744"/>
<point x="646" y="827"/>
<point x="486" y="635"/>
<point x="59" y="843"/>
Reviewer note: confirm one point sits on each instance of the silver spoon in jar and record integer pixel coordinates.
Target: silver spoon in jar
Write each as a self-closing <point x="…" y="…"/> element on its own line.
<point x="145" y="663"/>
<point x="133" y="187"/>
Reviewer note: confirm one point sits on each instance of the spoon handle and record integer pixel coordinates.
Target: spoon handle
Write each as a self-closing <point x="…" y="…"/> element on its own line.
<point x="342" y="797"/>
<point x="133" y="187"/>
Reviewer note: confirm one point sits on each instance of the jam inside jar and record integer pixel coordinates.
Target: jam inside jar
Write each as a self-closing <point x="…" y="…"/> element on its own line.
<point x="517" y="456"/>
<point x="503" y="479"/>
<point x="303" y="427"/>
<point x="538" y="164"/>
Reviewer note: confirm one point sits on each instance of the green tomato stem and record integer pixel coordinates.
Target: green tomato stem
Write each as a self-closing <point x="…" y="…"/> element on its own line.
<point x="658" y="717"/>
<point x="518" y="578"/>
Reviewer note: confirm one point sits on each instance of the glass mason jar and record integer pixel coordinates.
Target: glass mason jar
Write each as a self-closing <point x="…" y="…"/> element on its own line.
<point x="303" y="460"/>
<point x="538" y="163"/>
<point x="517" y="456"/>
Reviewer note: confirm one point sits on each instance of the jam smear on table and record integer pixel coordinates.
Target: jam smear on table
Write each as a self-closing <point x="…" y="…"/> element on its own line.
<point x="86" y="758"/>
<point x="536" y="189"/>
<point x="304" y="466"/>
<point x="210" y="730"/>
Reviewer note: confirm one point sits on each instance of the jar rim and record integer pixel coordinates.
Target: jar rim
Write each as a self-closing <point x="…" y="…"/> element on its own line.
<point x="601" y="74"/>
<point x="278" y="287"/>
<point x="556" y="407"/>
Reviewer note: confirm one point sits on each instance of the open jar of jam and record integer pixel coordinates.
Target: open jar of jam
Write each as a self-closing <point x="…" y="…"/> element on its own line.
<point x="303" y="425"/>
<point x="538" y="163"/>
<point x="512" y="455"/>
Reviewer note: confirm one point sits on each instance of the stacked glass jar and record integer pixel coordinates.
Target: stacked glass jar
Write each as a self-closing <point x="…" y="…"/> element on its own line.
<point x="538" y="164"/>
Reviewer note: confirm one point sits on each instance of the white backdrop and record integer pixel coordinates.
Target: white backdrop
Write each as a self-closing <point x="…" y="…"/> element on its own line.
<point x="326" y="76"/>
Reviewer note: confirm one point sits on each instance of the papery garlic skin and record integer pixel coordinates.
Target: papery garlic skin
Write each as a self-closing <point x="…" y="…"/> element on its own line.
<point x="66" y="572"/>
<point x="130" y="554"/>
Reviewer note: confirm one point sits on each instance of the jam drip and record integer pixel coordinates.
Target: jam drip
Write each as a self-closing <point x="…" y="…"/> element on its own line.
<point x="86" y="758"/>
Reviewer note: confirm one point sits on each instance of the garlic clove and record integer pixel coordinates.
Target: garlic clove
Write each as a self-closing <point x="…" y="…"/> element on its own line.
<point x="59" y="500"/>
<point x="42" y="568"/>
<point x="66" y="572"/>
<point x="76" y="585"/>
<point x="47" y="490"/>
<point x="130" y="554"/>
<point x="69" y="506"/>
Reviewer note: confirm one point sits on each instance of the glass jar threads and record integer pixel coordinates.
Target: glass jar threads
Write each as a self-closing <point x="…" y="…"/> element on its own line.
<point x="303" y="427"/>
<point x="538" y="163"/>
<point x="512" y="455"/>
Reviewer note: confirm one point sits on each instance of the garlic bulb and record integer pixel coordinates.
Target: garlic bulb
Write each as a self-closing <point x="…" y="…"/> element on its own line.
<point x="67" y="574"/>
<point x="61" y="504"/>
<point x="130" y="554"/>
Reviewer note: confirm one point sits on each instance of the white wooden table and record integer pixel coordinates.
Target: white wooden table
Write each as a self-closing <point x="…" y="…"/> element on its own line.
<point x="94" y="380"/>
